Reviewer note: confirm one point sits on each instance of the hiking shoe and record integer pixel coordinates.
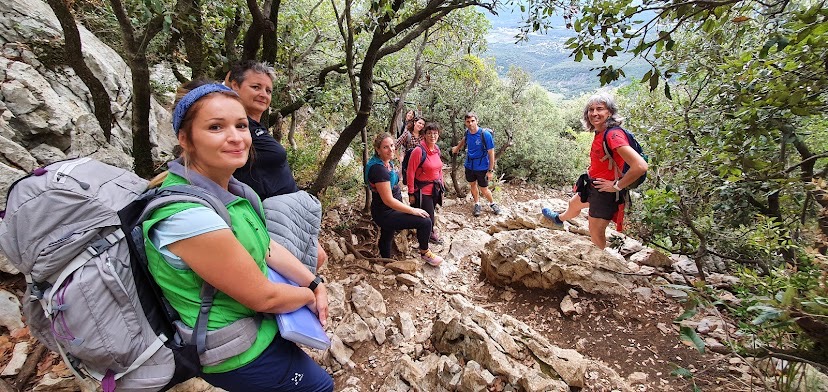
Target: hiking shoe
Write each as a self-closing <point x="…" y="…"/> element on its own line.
<point x="477" y="210"/>
<point x="430" y="258"/>
<point x="553" y="216"/>
<point x="495" y="208"/>
<point x="435" y="239"/>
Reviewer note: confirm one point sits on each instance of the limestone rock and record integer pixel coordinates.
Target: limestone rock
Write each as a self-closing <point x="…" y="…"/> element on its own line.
<point x="8" y="175"/>
<point x="637" y="378"/>
<point x="472" y="379"/>
<point x="548" y="259"/>
<point x="195" y="385"/>
<point x="45" y="102"/>
<point x="651" y="257"/>
<point x="353" y="330"/>
<point x="367" y="301"/>
<point x="467" y="242"/>
<point x="407" y="266"/>
<point x="334" y="251"/>
<point x="341" y="353"/>
<point x="10" y="316"/>
<point x="407" y="328"/>
<point x="407" y="280"/>
<point x="568" y="307"/>
<point x="16" y="155"/>
<point x="21" y="351"/>
<point x="53" y="383"/>
<point x="476" y="334"/>
<point x="46" y="154"/>
<point x="6" y="266"/>
<point x="337" y="308"/>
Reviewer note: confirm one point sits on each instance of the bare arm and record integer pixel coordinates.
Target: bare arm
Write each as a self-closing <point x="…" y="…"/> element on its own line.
<point x="219" y="259"/>
<point x="456" y="149"/>
<point x="638" y="166"/>
<point x="384" y="190"/>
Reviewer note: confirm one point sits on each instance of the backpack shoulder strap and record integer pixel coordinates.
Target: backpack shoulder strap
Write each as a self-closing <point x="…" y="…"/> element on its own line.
<point x="161" y="197"/>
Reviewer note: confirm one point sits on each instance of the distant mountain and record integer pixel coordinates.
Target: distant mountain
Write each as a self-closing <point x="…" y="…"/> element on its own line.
<point x="545" y="57"/>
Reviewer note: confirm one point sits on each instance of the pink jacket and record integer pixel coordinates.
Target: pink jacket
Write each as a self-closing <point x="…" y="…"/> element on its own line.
<point x="431" y="169"/>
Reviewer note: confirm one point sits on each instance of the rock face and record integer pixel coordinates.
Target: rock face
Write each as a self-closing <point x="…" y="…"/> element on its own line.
<point x="548" y="259"/>
<point x="46" y="111"/>
<point x="477" y="349"/>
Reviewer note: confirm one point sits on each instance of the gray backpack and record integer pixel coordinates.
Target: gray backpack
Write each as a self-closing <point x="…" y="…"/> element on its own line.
<point x="73" y="228"/>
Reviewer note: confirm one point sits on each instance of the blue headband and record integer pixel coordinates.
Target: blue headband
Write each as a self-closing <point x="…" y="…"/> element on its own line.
<point x="188" y="100"/>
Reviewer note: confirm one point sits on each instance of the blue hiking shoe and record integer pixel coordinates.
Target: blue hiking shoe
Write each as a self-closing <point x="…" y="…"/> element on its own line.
<point x="553" y="216"/>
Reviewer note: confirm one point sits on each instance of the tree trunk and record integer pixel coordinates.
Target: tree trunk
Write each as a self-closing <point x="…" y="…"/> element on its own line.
<point x="141" y="96"/>
<point x="191" y="27"/>
<point x="460" y="192"/>
<point x="270" y="44"/>
<point x="74" y="57"/>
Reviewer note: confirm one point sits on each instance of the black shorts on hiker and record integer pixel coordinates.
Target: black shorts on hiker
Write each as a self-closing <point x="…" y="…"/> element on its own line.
<point x="479" y="176"/>
<point x="602" y="205"/>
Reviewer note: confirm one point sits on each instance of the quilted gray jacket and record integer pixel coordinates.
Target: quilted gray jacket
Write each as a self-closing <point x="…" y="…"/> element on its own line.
<point x="293" y="221"/>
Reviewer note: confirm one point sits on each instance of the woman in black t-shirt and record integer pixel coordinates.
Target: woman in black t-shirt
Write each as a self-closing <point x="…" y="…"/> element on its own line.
<point x="267" y="170"/>
<point x="387" y="208"/>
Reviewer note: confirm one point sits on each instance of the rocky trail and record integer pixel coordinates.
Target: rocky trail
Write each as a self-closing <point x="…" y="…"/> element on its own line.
<point x="516" y="306"/>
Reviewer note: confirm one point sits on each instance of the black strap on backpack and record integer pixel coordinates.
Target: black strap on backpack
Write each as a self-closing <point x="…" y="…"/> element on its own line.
<point x="131" y="218"/>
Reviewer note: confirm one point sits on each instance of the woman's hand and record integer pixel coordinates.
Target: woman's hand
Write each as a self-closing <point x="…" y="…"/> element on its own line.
<point x="604" y="185"/>
<point x="419" y="212"/>
<point x="321" y="303"/>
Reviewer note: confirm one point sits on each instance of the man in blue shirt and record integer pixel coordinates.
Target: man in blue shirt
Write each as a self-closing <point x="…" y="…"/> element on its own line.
<point x="480" y="161"/>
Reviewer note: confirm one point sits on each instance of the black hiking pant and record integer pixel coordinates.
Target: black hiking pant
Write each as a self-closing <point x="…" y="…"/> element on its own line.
<point x="390" y="221"/>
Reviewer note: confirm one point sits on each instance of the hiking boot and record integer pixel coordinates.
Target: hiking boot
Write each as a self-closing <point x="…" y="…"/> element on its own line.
<point x="553" y="216"/>
<point x="477" y="210"/>
<point x="435" y="239"/>
<point x="430" y="258"/>
<point x="495" y="208"/>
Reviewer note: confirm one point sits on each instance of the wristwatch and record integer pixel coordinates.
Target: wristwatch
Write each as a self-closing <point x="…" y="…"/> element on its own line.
<point x="615" y="186"/>
<point x="316" y="281"/>
<point x="491" y="170"/>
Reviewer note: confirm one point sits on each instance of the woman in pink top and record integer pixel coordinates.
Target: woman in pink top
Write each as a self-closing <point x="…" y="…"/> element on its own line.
<point x="424" y="175"/>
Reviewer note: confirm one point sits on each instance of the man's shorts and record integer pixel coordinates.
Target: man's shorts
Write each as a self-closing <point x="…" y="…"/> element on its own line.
<point x="479" y="176"/>
<point x="603" y="205"/>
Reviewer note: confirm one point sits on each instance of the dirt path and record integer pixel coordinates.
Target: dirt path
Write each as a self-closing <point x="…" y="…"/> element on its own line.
<point x="631" y="334"/>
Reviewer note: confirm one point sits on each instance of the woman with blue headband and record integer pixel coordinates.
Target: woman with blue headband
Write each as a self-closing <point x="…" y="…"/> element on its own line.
<point x="189" y="244"/>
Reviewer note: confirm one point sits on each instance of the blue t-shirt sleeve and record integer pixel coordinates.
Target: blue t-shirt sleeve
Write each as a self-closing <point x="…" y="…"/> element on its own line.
<point x="488" y="138"/>
<point x="180" y="226"/>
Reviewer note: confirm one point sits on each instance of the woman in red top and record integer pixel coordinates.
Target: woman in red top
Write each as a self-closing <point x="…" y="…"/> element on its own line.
<point x="424" y="177"/>
<point x="600" y="115"/>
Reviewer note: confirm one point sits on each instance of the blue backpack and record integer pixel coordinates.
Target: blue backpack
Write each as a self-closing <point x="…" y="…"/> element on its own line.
<point x="636" y="146"/>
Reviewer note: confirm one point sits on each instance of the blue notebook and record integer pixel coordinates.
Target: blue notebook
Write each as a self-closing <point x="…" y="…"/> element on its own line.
<point x="300" y="326"/>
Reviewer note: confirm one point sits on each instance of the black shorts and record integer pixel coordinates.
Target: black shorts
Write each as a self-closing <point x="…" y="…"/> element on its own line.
<point x="603" y="205"/>
<point x="479" y="176"/>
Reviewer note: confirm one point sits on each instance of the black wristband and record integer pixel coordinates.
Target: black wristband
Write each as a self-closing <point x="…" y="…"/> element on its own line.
<point x="316" y="281"/>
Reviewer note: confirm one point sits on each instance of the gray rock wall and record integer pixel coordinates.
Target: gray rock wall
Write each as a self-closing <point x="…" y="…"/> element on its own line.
<point x="46" y="111"/>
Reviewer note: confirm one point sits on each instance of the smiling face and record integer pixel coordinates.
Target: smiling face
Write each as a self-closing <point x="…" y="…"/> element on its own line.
<point x="431" y="137"/>
<point x="217" y="141"/>
<point x="598" y="113"/>
<point x="255" y="91"/>
<point x="385" y="150"/>
<point x="418" y="125"/>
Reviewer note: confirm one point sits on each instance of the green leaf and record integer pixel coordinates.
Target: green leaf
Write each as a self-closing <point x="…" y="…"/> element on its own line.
<point x="653" y="82"/>
<point x="688" y="334"/>
<point x="647" y="76"/>
<point x="682" y="372"/>
<point x="667" y="91"/>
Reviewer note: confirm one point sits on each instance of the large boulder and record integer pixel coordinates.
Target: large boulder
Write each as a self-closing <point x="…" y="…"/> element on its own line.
<point x="478" y="350"/>
<point x="549" y="259"/>
<point x="46" y="111"/>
